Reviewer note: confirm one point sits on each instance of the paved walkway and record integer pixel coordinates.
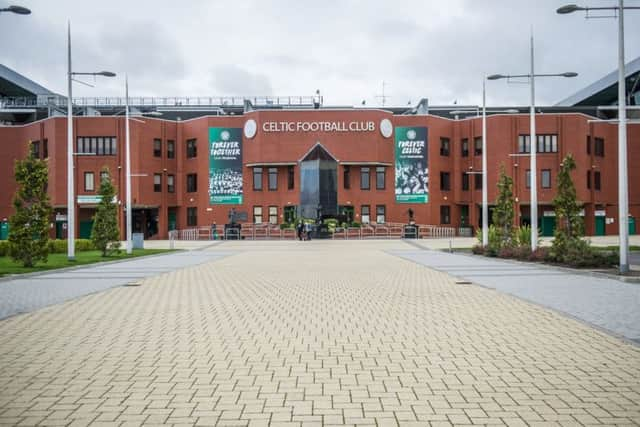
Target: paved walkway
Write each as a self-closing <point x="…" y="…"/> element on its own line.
<point x="310" y="334"/>
<point x="25" y="294"/>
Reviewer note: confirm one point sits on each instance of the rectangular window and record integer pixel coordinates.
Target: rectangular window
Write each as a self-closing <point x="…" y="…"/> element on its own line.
<point x="444" y="146"/>
<point x="464" y="144"/>
<point x="88" y="182"/>
<point x="257" y="214"/>
<point x="596" y="180"/>
<point x="112" y="146"/>
<point x="477" y="181"/>
<point x="364" y="179"/>
<point x="465" y="181"/>
<point x="257" y="179"/>
<point x="171" y="184"/>
<point x="380" y="178"/>
<point x="93" y="144"/>
<point x="524" y="144"/>
<point x="346" y="177"/>
<point x="104" y="175"/>
<point x="545" y="178"/>
<point x="380" y="214"/>
<point x="589" y="180"/>
<point x="527" y="178"/>
<point x="100" y="142"/>
<point x="35" y="149"/>
<point x="45" y="149"/>
<point x="445" y="214"/>
<point x="588" y="144"/>
<point x="273" y="179"/>
<point x="445" y="181"/>
<point x="171" y="149"/>
<point x="157" y="147"/>
<point x="273" y="214"/>
<point x="477" y="146"/>
<point x="157" y="183"/>
<point x="545" y="144"/>
<point x="192" y="217"/>
<point x="99" y="146"/>
<point x="598" y="147"/>
<point x="192" y="182"/>
<point x="192" y="148"/>
<point x="291" y="177"/>
<point x="365" y="215"/>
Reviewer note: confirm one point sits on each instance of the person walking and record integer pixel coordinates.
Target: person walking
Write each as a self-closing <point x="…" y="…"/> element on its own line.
<point x="300" y="229"/>
<point x="308" y="228"/>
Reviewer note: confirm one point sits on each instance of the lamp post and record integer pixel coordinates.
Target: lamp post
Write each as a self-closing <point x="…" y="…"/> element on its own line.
<point x="532" y="140"/>
<point x="19" y="10"/>
<point x="623" y="184"/>
<point x="71" y="249"/>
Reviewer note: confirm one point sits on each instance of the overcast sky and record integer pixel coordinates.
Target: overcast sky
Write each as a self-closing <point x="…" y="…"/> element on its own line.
<point x="438" y="50"/>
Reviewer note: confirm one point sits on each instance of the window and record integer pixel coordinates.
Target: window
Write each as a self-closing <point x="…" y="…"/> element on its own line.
<point x="380" y="214"/>
<point x="596" y="180"/>
<point x="380" y="178"/>
<point x="35" y="149"/>
<point x="588" y="144"/>
<point x="464" y="145"/>
<point x="445" y="181"/>
<point x="364" y="179"/>
<point x="598" y="147"/>
<point x="524" y="144"/>
<point x="527" y="178"/>
<point x="546" y="178"/>
<point x="99" y="146"/>
<point x="291" y="178"/>
<point x="273" y="179"/>
<point x="45" y="149"/>
<point x="171" y="149"/>
<point x="477" y="146"/>
<point x="192" y="148"/>
<point x="257" y="179"/>
<point x="444" y="146"/>
<point x="273" y="214"/>
<point x="589" y="179"/>
<point x="445" y="214"/>
<point x="192" y="182"/>
<point x="289" y="214"/>
<point x="104" y="176"/>
<point x="477" y="181"/>
<point x="192" y="217"/>
<point x="546" y="144"/>
<point x="465" y="181"/>
<point x="364" y="214"/>
<point x="157" y="147"/>
<point x="88" y="181"/>
<point x="346" y="177"/>
<point x="157" y="183"/>
<point x="257" y="214"/>
<point x="171" y="183"/>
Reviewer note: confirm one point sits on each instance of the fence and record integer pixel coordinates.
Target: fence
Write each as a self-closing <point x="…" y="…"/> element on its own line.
<point x="274" y="232"/>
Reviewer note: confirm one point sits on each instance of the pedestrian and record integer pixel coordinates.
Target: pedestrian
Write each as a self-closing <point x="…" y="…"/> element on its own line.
<point x="300" y="229"/>
<point x="308" y="228"/>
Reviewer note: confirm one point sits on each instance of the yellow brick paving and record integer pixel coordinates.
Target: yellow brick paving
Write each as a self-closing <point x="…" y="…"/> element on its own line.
<point x="311" y="334"/>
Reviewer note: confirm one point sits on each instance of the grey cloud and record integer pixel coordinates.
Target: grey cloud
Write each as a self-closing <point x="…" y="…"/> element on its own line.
<point x="231" y="79"/>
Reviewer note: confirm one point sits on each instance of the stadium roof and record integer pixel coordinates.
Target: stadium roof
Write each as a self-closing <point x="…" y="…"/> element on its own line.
<point x="15" y="84"/>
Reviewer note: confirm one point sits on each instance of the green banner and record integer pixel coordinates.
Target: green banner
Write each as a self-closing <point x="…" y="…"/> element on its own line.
<point x="225" y="166"/>
<point x="412" y="172"/>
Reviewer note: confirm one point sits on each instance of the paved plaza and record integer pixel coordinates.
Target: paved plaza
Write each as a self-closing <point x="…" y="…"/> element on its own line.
<point x="310" y="334"/>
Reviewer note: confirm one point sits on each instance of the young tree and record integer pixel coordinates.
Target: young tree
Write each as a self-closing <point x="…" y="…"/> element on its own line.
<point x="105" y="234"/>
<point x="569" y="223"/>
<point x="503" y="212"/>
<point x="29" y="226"/>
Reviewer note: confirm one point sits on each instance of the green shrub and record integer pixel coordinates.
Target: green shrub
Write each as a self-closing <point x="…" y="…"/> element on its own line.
<point x="355" y="224"/>
<point x="523" y="235"/>
<point x="495" y="241"/>
<point x="59" y="246"/>
<point x="286" y="226"/>
<point x="4" y="248"/>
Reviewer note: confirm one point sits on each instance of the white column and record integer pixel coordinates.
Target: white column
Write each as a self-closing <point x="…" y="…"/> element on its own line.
<point x="533" y="142"/>
<point x="485" y="207"/>
<point x="623" y="184"/>
<point x="128" y="165"/>
<point x="71" y="223"/>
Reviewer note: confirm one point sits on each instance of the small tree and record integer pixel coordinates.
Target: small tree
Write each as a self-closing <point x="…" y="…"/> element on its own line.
<point x="503" y="212"/>
<point x="105" y="234"/>
<point x="29" y="226"/>
<point x="569" y="223"/>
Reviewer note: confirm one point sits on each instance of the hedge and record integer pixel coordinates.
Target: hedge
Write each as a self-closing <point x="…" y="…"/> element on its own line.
<point x="55" y="246"/>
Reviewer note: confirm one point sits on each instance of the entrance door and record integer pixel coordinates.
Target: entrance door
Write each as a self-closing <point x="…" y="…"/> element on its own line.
<point x="85" y="229"/>
<point x="171" y="220"/>
<point x="289" y="214"/>
<point x="548" y="225"/>
<point x="600" y="225"/>
<point x="632" y="225"/>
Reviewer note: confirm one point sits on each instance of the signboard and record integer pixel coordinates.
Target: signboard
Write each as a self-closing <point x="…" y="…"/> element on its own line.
<point x="92" y="199"/>
<point x="412" y="172"/>
<point x="225" y="166"/>
<point x="355" y="126"/>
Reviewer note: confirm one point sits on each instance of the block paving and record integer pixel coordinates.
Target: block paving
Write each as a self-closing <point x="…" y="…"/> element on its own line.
<point x="311" y="334"/>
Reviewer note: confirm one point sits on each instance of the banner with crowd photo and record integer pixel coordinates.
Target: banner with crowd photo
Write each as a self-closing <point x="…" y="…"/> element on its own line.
<point x="412" y="171"/>
<point x="225" y="166"/>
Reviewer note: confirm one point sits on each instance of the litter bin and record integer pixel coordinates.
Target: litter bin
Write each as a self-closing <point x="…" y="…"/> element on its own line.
<point x="4" y="230"/>
<point x="137" y="240"/>
<point x="410" y="232"/>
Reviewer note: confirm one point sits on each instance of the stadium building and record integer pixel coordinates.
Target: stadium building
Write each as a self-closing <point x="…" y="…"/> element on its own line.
<point x="275" y="159"/>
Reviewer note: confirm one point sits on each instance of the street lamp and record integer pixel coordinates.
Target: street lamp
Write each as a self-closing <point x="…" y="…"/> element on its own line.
<point x="71" y="231"/>
<point x="532" y="140"/>
<point x="623" y="179"/>
<point x="17" y="9"/>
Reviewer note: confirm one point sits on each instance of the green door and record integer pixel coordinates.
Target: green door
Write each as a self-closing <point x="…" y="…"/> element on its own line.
<point x="548" y="225"/>
<point x="172" y="221"/>
<point x="600" y="225"/>
<point x="60" y="226"/>
<point x="4" y="230"/>
<point x="85" y="229"/>
<point x="632" y="225"/>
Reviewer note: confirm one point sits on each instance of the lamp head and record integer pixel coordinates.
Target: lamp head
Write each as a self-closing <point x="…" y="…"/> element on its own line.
<point x="569" y="74"/>
<point x="570" y="8"/>
<point x="19" y="10"/>
<point x="106" y="74"/>
<point x="495" y="77"/>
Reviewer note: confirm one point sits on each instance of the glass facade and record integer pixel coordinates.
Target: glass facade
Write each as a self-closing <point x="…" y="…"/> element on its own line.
<point x="319" y="184"/>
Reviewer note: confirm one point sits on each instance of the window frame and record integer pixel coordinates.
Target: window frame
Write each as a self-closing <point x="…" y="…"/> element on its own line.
<point x="368" y="214"/>
<point x="445" y="178"/>
<point x="192" y="148"/>
<point x="477" y="181"/>
<point x="171" y="149"/>
<point x="445" y="146"/>
<point x="157" y="182"/>
<point x="257" y="183"/>
<point x="365" y="171"/>
<point x="273" y="216"/>
<point x="157" y="147"/>
<point x="93" y="182"/>
<point x="598" y="147"/>
<point x="445" y="214"/>
<point x="465" y="181"/>
<point x="346" y="177"/>
<point x="192" y="183"/>
<point x="477" y="148"/>
<point x="381" y="171"/>
<point x="383" y="209"/>
<point x="192" y="216"/>
<point x="291" y="177"/>
<point x="542" y="175"/>
<point x="464" y="147"/>
<point x="597" y="182"/>
<point x="257" y="212"/>
<point x="527" y="179"/>
<point x="171" y="183"/>
<point x="272" y="173"/>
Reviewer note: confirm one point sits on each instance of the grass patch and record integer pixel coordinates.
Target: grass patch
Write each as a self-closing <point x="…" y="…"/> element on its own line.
<point x="613" y="248"/>
<point x="8" y="266"/>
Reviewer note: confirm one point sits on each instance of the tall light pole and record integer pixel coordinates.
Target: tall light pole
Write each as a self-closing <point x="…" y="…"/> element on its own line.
<point x="533" y="142"/>
<point x="17" y="10"/>
<point x="128" y="165"/>
<point x="623" y="178"/>
<point x="71" y="230"/>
